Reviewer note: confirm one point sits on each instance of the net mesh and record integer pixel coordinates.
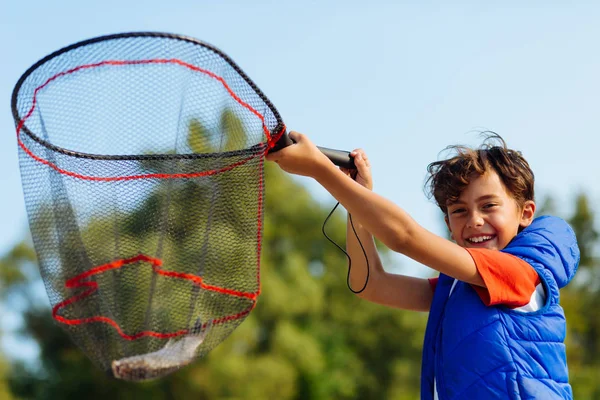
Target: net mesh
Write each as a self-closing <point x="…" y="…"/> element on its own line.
<point x="142" y="167"/>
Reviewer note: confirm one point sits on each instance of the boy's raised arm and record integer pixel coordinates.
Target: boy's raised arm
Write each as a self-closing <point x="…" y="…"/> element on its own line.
<point x="379" y="216"/>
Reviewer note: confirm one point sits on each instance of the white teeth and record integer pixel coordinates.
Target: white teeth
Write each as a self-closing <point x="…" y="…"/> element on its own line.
<point x="479" y="239"/>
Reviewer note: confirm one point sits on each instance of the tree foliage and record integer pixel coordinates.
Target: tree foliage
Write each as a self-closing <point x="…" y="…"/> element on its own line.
<point x="580" y="301"/>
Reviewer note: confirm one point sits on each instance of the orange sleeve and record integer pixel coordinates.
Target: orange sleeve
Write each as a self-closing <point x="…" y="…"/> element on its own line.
<point x="433" y="283"/>
<point x="509" y="280"/>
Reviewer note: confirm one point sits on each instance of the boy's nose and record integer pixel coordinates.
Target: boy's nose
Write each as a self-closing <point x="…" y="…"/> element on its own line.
<point x="475" y="220"/>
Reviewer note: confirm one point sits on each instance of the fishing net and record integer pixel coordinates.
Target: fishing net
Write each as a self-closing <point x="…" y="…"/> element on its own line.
<point x="141" y="159"/>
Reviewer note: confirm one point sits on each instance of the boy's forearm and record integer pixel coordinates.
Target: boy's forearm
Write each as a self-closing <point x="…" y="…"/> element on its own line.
<point x="359" y="265"/>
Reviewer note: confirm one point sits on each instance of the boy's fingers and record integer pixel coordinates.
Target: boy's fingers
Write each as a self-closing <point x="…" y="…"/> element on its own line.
<point x="273" y="156"/>
<point x="359" y="154"/>
<point x="276" y="155"/>
<point x="361" y="159"/>
<point x="296" y="136"/>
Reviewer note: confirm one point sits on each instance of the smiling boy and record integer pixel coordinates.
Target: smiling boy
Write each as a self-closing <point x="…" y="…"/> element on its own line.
<point x="496" y="329"/>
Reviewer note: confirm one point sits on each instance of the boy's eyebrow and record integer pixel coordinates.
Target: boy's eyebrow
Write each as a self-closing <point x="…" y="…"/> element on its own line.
<point x="477" y="200"/>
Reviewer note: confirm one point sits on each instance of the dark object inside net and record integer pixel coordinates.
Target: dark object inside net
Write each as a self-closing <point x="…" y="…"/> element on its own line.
<point x="141" y="159"/>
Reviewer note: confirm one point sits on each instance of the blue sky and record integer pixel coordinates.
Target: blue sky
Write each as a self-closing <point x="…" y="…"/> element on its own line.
<point x="400" y="79"/>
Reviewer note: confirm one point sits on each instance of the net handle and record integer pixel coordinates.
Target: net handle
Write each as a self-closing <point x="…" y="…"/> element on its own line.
<point x="341" y="158"/>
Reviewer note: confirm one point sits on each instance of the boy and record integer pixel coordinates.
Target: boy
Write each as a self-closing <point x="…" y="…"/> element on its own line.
<point x="495" y="328"/>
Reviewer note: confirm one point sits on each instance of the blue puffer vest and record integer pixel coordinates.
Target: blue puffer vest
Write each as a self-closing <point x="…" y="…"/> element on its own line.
<point x="478" y="352"/>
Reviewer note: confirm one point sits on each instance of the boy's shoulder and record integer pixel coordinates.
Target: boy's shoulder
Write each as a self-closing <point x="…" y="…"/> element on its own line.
<point x="550" y="226"/>
<point x="549" y="242"/>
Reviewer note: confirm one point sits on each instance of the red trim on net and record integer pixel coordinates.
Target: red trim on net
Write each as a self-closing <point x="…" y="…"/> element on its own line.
<point x="276" y="138"/>
<point x="78" y="281"/>
<point x="134" y="177"/>
<point x="270" y="140"/>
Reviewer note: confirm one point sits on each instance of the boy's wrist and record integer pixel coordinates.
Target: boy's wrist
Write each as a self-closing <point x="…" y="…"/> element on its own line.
<point x="325" y="172"/>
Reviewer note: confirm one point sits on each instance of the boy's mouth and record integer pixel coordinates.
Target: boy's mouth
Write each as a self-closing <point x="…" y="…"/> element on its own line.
<point x="480" y="240"/>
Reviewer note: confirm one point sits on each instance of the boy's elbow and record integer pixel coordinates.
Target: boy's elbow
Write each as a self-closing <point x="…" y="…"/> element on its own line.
<point x="407" y="235"/>
<point x="369" y="291"/>
<point x="397" y="246"/>
<point x="361" y="295"/>
<point x="398" y="240"/>
<point x="364" y="294"/>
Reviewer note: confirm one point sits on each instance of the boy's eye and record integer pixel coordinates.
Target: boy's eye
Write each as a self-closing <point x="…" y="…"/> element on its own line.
<point x="490" y="205"/>
<point x="458" y="211"/>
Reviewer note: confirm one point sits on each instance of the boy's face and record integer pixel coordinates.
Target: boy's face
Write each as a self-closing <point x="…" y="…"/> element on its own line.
<point x="486" y="215"/>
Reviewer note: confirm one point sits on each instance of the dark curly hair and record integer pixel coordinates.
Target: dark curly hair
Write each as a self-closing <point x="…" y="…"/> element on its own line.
<point x="448" y="178"/>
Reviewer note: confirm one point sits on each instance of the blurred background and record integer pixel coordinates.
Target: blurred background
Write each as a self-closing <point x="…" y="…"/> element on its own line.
<point x="401" y="80"/>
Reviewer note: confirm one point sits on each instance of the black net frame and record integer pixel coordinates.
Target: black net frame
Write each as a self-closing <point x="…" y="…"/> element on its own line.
<point x="154" y="246"/>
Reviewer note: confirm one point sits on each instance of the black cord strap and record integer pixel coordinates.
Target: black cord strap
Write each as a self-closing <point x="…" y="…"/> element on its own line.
<point x="344" y="251"/>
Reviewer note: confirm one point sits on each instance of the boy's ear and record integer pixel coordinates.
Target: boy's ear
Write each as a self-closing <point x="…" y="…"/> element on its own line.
<point x="527" y="213"/>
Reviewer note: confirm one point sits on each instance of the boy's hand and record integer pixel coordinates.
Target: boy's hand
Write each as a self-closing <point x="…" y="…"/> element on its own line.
<point x="300" y="158"/>
<point x="362" y="173"/>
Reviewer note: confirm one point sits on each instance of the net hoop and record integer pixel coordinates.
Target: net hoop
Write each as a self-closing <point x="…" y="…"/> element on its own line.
<point x="279" y="130"/>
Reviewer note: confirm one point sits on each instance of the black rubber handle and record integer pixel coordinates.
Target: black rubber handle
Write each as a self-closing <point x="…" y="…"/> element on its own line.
<point x="340" y="158"/>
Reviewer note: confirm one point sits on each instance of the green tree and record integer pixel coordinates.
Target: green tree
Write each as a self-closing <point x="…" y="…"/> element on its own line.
<point x="5" y="393"/>
<point x="16" y="267"/>
<point x="580" y="300"/>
